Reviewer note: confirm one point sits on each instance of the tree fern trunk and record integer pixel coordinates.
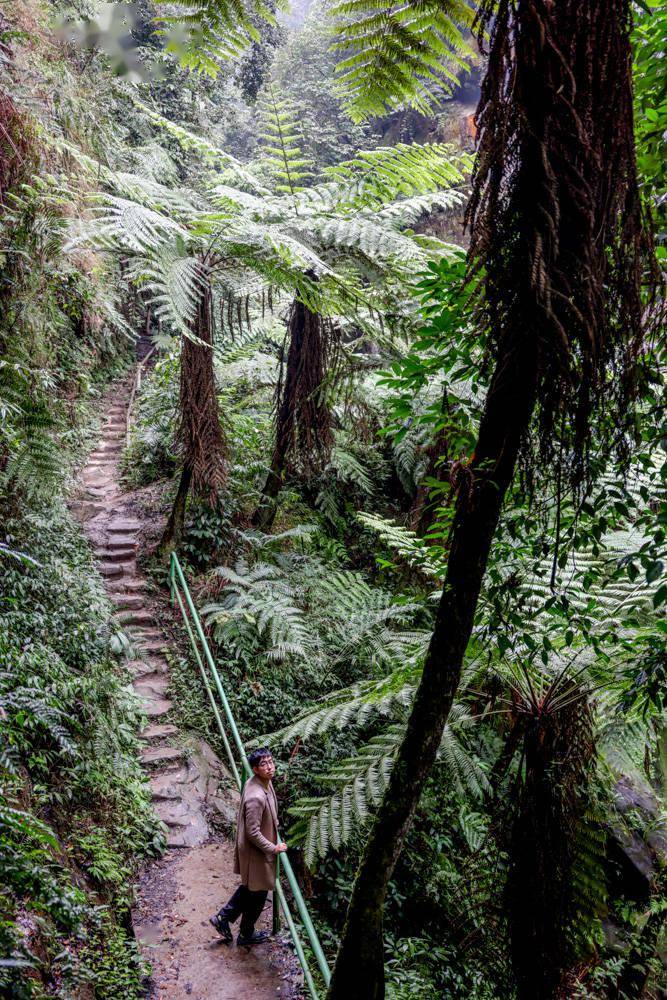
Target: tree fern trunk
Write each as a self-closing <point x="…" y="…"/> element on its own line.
<point x="200" y="435"/>
<point x="173" y="533"/>
<point x="359" y="970"/>
<point x="303" y="422"/>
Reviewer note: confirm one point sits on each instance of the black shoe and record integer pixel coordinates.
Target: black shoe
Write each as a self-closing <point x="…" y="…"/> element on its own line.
<point x="221" y="925"/>
<point x="257" y="937"/>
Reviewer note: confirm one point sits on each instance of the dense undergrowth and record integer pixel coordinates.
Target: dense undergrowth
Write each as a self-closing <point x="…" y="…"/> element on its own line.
<point x="75" y="813"/>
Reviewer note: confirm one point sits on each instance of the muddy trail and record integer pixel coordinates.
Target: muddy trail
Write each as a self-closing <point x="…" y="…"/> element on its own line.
<point x="192" y="792"/>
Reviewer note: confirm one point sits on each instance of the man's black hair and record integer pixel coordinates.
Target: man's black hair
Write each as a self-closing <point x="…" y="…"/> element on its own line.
<point x="255" y="757"/>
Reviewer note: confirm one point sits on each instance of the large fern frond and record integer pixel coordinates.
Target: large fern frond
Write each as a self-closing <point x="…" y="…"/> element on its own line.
<point x="400" y="53"/>
<point x="359" y="782"/>
<point x="203" y="32"/>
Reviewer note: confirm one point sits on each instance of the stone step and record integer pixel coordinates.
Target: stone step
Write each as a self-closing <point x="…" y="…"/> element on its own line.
<point x="122" y="525"/>
<point x="146" y="669"/>
<point x="104" y="483"/>
<point x="158" y="732"/>
<point x="165" y="786"/>
<point x="126" y="602"/>
<point x="118" y="541"/>
<point x="85" y="510"/>
<point x="154" y="709"/>
<point x="110" y="570"/>
<point x="115" y="555"/>
<point x="148" y="632"/>
<point x="156" y="756"/>
<point x="99" y="477"/>
<point x="131" y="616"/>
<point x="151" y="686"/>
<point x="185" y="827"/>
<point x="151" y="646"/>
<point x="131" y="585"/>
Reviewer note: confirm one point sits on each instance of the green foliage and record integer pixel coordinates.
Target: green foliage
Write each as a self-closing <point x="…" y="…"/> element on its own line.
<point x="78" y="767"/>
<point x="110" y="962"/>
<point x="303" y="70"/>
<point x="282" y="140"/>
<point x="211" y="30"/>
<point x="396" y="54"/>
<point x="650" y="80"/>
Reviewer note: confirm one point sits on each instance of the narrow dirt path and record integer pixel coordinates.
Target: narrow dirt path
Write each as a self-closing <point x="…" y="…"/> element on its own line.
<point x="192" y="792"/>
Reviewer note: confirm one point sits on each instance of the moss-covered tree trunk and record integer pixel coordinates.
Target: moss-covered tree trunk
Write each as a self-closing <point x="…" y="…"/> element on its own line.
<point x="200" y="436"/>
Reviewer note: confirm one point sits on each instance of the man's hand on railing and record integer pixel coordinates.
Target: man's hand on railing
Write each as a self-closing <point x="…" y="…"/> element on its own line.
<point x="280" y="848"/>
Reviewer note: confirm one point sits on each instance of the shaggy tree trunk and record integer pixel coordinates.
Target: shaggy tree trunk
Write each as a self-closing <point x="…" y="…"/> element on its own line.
<point x="303" y="422"/>
<point x="359" y="970"/>
<point x="173" y="532"/>
<point x="541" y="902"/>
<point x="200" y="435"/>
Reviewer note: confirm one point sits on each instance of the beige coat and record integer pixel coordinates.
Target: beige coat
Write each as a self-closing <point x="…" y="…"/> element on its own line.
<point x="256" y="836"/>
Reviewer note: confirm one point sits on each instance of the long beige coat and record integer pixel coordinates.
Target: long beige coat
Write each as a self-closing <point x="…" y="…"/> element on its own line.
<point x="256" y="836"/>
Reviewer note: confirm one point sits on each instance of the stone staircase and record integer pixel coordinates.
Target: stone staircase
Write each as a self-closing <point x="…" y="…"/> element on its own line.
<point x="185" y="775"/>
<point x="190" y="788"/>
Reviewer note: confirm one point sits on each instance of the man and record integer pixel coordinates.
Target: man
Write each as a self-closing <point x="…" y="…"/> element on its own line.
<point x="255" y="853"/>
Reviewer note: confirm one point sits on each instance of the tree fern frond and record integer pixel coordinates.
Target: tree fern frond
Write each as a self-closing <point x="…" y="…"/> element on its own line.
<point x="175" y="282"/>
<point x="210" y="153"/>
<point x="405" y="543"/>
<point x="204" y="32"/>
<point x="397" y="54"/>
<point x="360" y="781"/>
<point x="126" y="225"/>
<point x="281" y="139"/>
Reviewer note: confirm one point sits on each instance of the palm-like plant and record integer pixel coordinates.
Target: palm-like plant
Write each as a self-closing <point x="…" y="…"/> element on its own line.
<point x="340" y="248"/>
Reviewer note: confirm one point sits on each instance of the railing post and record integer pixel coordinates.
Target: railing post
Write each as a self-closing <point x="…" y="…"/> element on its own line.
<point x="172" y="577"/>
<point x="276" y="901"/>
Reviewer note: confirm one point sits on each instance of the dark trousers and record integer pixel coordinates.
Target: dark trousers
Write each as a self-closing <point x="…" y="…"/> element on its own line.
<point x="247" y="905"/>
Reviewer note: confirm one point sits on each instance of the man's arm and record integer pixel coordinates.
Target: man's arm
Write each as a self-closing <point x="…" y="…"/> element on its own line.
<point x="253" y="809"/>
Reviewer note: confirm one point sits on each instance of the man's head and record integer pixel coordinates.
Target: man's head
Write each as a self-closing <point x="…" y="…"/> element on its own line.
<point x="261" y="761"/>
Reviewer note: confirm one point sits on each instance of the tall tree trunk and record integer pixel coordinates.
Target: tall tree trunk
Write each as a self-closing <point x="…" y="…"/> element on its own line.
<point x="175" y="527"/>
<point x="303" y="422"/>
<point x="558" y="243"/>
<point x="200" y="436"/>
<point x="359" y="970"/>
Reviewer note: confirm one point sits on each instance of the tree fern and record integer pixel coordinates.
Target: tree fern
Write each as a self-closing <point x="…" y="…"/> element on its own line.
<point x="412" y="549"/>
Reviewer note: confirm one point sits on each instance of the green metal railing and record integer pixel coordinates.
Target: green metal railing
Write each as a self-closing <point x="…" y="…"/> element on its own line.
<point x="180" y="594"/>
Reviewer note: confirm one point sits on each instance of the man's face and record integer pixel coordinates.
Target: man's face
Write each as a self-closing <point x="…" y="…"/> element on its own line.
<point x="266" y="768"/>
